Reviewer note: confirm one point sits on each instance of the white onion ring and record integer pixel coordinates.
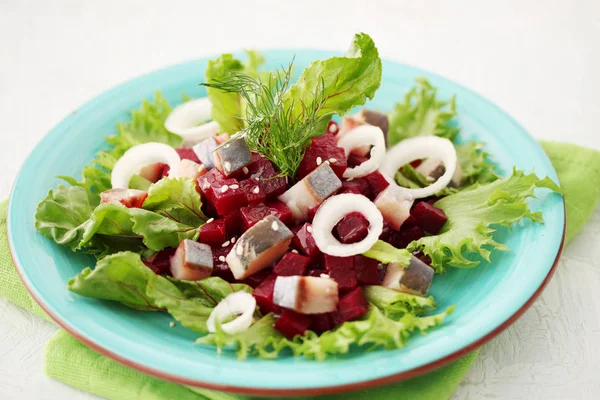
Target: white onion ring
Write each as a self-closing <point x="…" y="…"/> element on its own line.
<point x="188" y="120"/>
<point x="236" y="303"/>
<point x="332" y="211"/>
<point x="139" y="156"/>
<point x="421" y="147"/>
<point x="360" y="136"/>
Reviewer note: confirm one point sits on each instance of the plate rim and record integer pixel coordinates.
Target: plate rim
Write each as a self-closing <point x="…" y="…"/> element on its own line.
<point x="283" y="392"/>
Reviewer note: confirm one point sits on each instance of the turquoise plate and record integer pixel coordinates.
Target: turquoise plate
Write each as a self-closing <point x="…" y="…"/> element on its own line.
<point x="488" y="298"/>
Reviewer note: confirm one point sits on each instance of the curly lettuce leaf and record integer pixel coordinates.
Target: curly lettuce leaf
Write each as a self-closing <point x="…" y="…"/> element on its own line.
<point x="396" y="304"/>
<point x="386" y="253"/>
<point x="472" y="213"/>
<point x="474" y="164"/>
<point x="178" y="199"/>
<point x="209" y="291"/>
<point x="422" y="114"/>
<point x="374" y="331"/>
<point x="348" y="81"/>
<point x="227" y="108"/>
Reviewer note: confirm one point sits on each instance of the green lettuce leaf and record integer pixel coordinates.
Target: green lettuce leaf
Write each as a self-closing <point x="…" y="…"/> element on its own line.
<point x="374" y="331"/>
<point x="474" y="164"/>
<point x="386" y="253"/>
<point x="209" y="291"/>
<point x="396" y="304"/>
<point x="159" y="231"/>
<point x="347" y="81"/>
<point x="471" y="214"/>
<point x="422" y="114"/>
<point x="176" y="199"/>
<point x="227" y="108"/>
<point x="121" y="277"/>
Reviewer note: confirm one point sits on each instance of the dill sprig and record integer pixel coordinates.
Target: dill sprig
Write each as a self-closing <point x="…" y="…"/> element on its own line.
<point x="272" y="128"/>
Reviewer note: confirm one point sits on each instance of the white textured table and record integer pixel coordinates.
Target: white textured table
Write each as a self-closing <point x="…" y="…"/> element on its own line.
<point x="537" y="60"/>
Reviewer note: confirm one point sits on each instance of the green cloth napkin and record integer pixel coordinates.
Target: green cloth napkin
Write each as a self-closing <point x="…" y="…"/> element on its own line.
<point x="73" y="363"/>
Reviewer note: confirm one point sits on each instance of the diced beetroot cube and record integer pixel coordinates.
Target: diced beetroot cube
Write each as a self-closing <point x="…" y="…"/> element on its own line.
<point x="361" y="184"/>
<point x="430" y="218"/>
<point x="366" y="270"/>
<point x="324" y="148"/>
<point x="251" y="215"/>
<point x="273" y="187"/>
<point x="160" y="262"/>
<point x="317" y="272"/>
<point x="341" y="269"/>
<point x="355" y="160"/>
<point x="390" y="235"/>
<point x="263" y="294"/>
<point x="291" y="323"/>
<point x="410" y="221"/>
<point x="352" y="228"/>
<point x="332" y="127"/>
<point x="349" y="189"/>
<point x="227" y="197"/>
<point x="220" y="267"/>
<point x="263" y="172"/>
<point x="321" y="322"/>
<point x="165" y="171"/>
<point x="256" y="279"/>
<point x="377" y="182"/>
<point x="213" y="178"/>
<point x="213" y="233"/>
<point x="281" y="211"/>
<point x="261" y="168"/>
<point x="351" y="306"/>
<point x="234" y="223"/>
<point x="188" y="154"/>
<point x="408" y="235"/>
<point x="304" y="242"/>
<point x="416" y="163"/>
<point x="254" y="193"/>
<point x="312" y="212"/>
<point x="422" y="257"/>
<point x="291" y="264"/>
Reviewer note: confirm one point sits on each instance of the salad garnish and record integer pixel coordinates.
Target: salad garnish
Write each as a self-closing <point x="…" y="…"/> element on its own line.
<point x="273" y="218"/>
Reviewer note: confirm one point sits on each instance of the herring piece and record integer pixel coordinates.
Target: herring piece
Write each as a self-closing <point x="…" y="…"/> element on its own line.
<point x="433" y="168"/>
<point x="192" y="261"/>
<point x="306" y="294"/>
<point x="364" y="116"/>
<point x="232" y="156"/>
<point x="259" y="247"/>
<point x="375" y="118"/>
<point x="130" y="198"/>
<point x="204" y="152"/>
<point x="189" y="169"/>
<point x="240" y="304"/>
<point x="415" y="279"/>
<point x="394" y="202"/>
<point x="311" y="191"/>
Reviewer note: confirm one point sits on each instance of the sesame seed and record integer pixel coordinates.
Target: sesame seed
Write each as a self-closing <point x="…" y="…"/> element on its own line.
<point x="222" y="258"/>
<point x="224" y="188"/>
<point x="325" y="276"/>
<point x="319" y="160"/>
<point x="225" y="244"/>
<point x="333" y="160"/>
<point x="333" y="128"/>
<point x="274" y="226"/>
<point x="234" y="186"/>
<point x="327" y="162"/>
<point x="245" y="170"/>
<point x="309" y="229"/>
<point x="171" y="324"/>
<point x="226" y="146"/>
<point x="227" y="166"/>
<point x="233" y="239"/>
<point x="256" y="190"/>
<point x="208" y="221"/>
<point x="295" y="251"/>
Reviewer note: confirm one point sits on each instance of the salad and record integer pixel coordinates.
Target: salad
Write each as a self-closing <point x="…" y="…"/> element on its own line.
<point x="276" y="216"/>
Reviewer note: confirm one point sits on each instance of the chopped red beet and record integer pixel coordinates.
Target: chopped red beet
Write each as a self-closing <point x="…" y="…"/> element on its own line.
<point x="251" y="215"/>
<point x="188" y="154"/>
<point x="430" y="218"/>
<point x="254" y="194"/>
<point x="341" y="269"/>
<point x="408" y="235"/>
<point x="234" y="223"/>
<point x="303" y="241"/>
<point x="390" y="235"/>
<point x="416" y="163"/>
<point x="291" y="264"/>
<point x="213" y="233"/>
<point x="361" y="184"/>
<point x="134" y="201"/>
<point x="264" y="174"/>
<point x="291" y="323"/>
<point x="227" y="196"/>
<point x="350" y="189"/>
<point x="377" y="182"/>
<point x="352" y="228"/>
<point x="273" y="187"/>
<point x="351" y="306"/>
<point x="254" y="280"/>
<point x="263" y="294"/>
<point x="313" y="211"/>
<point x="320" y="323"/>
<point x="220" y="267"/>
<point x="281" y="211"/>
<point x="317" y="272"/>
<point x="160" y="262"/>
<point x="421" y="256"/>
<point x="355" y="160"/>
<point x="324" y="148"/>
<point x="213" y="178"/>
<point x="366" y="270"/>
